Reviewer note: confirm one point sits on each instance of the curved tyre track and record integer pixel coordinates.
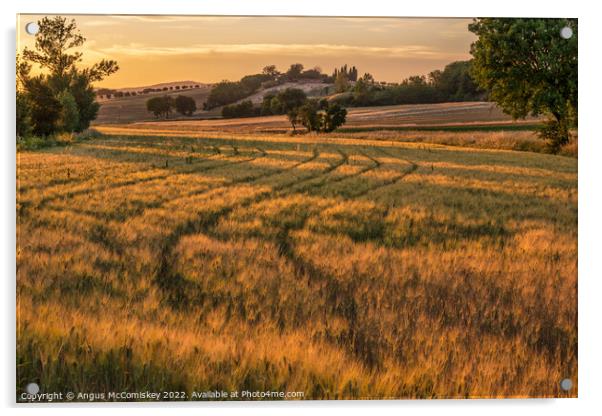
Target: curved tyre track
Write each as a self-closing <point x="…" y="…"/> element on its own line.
<point x="175" y="287"/>
<point x="122" y="184"/>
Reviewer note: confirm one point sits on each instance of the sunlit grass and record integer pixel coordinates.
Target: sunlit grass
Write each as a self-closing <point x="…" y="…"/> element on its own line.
<point x="341" y="266"/>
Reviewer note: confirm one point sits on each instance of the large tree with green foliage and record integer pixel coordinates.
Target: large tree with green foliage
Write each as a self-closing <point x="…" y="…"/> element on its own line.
<point x="45" y="109"/>
<point x="24" y="122"/>
<point x="333" y="116"/>
<point x="321" y="116"/>
<point x="54" y="40"/>
<point x="528" y="68"/>
<point x="61" y="97"/>
<point x="288" y="102"/>
<point x="69" y="118"/>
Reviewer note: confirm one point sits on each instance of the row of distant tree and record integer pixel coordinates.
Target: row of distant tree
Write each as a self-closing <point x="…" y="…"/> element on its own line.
<point x="349" y="74"/>
<point x="108" y="93"/>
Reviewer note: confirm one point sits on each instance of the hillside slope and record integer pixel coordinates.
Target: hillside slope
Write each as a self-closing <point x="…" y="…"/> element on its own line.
<point x="132" y="109"/>
<point x="312" y="89"/>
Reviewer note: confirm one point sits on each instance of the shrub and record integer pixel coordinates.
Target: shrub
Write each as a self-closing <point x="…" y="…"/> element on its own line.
<point x="225" y="92"/>
<point x="556" y="132"/>
<point x="63" y="138"/>
<point x="571" y="148"/>
<point x="33" y="142"/>
<point x="88" y="134"/>
<point x="266" y="104"/>
<point x="252" y="83"/>
<point x="243" y="109"/>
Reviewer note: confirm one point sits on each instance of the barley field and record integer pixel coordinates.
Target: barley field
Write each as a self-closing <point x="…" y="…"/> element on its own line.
<point x="340" y="266"/>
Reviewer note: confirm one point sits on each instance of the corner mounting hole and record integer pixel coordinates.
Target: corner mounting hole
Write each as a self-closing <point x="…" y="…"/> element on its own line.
<point x="566" y="32"/>
<point x="32" y="388"/>
<point x="32" y="28"/>
<point x="566" y="384"/>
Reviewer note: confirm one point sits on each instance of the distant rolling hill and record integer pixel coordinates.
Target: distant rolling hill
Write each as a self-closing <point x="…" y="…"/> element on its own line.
<point x="171" y="84"/>
<point x="465" y="115"/>
<point x="167" y="84"/>
<point x="133" y="108"/>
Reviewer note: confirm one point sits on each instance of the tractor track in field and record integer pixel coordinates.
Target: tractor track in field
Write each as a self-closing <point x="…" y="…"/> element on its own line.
<point x="44" y="201"/>
<point x="115" y="246"/>
<point x="284" y="241"/>
<point x="194" y="154"/>
<point x="413" y="167"/>
<point x="336" y="292"/>
<point x="118" y="184"/>
<point x="134" y="145"/>
<point x="181" y="292"/>
<point x="375" y="165"/>
<point x="175" y="287"/>
<point x="223" y="187"/>
<point x="83" y="180"/>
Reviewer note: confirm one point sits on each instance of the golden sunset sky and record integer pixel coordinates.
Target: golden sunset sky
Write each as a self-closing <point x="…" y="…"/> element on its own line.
<point x="155" y="49"/>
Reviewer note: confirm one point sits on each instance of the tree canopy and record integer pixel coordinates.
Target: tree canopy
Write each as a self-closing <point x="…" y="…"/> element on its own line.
<point x="185" y="105"/>
<point x="61" y="98"/>
<point x="160" y="106"/>
<point x="455" y="82"/>
<point x="528" y="68"/>
<point x="294" y="72"/>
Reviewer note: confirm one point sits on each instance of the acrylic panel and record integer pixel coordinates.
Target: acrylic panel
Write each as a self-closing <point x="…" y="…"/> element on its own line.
<point x="295" y="208"/>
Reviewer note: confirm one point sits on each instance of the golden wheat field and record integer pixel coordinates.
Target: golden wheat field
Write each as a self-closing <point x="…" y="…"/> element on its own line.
<point x="338" y="266"/>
